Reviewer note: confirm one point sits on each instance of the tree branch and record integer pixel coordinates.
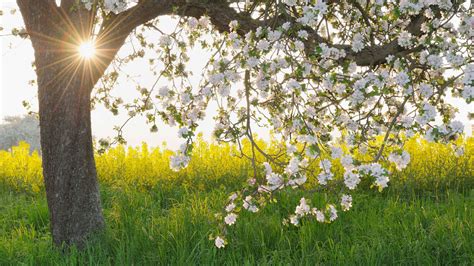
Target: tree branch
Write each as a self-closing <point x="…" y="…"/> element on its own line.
<point x="116" y="28"/>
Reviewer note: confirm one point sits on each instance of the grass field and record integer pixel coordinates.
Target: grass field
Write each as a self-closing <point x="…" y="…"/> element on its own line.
<point x="425" y="217"/>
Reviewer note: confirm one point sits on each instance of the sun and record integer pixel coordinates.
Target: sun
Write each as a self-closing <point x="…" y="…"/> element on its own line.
<point x="87" y="49"/>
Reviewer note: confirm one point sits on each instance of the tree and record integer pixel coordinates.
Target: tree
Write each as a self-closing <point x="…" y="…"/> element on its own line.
<point x="302" y="68"/>
<point x="16" y="129"/>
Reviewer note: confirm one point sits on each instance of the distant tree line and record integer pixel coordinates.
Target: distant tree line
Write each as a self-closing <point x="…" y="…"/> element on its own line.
<point x="14" y="129"/>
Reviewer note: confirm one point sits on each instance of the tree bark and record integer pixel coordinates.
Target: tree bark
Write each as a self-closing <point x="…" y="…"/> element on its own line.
<point x="69" y="170"/>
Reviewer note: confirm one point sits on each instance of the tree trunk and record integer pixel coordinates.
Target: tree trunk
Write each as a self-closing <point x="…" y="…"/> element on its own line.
<point x="65" y="83"/>
<point x="68" y="159"/>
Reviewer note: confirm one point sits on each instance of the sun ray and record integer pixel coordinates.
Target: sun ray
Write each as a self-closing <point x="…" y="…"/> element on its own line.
<point x="87" y="49"/>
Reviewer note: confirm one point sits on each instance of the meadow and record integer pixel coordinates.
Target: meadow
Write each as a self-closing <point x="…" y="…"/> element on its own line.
<point x="157" y="216"/>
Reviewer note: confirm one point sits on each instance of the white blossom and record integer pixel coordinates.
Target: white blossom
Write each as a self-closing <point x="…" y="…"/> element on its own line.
<point x="183" y="132"/>
<point x="332" y="213"/>
<point x="336" y="152"/>
<point x="456" y="126"/>
<point x="178" y="162"/>
<point x="357" y="42"/>
<point x="351" y="179"/>
<point x="405" y="39"/>
<point x="435" y="61"/>
<point x="303" y="208"/>
<point x="402" y="78"/>
<point x="249" y="205"/>
<point x="346" y="202"/>
<point x="400" y="160"/>
<point x="219" y="242"/>
<point x="165" y="40"/>
<point x="230" y="218"/>
<point x="230" y="207"/>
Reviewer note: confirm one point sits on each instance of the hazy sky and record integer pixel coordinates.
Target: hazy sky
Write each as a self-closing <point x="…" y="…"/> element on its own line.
<point x="16" y="71"/>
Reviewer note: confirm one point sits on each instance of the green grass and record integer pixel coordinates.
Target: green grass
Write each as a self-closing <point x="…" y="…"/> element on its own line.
<point x="172" y="226"/>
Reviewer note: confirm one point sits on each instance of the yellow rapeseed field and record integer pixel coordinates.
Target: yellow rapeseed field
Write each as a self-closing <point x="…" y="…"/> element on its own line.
<point x="213" y="165"/>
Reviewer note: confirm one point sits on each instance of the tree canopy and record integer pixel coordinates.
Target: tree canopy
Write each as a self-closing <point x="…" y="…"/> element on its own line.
<point x="15" y="129"/>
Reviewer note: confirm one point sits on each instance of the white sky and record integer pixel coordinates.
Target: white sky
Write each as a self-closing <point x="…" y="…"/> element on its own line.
<point x="16" y="71"/>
